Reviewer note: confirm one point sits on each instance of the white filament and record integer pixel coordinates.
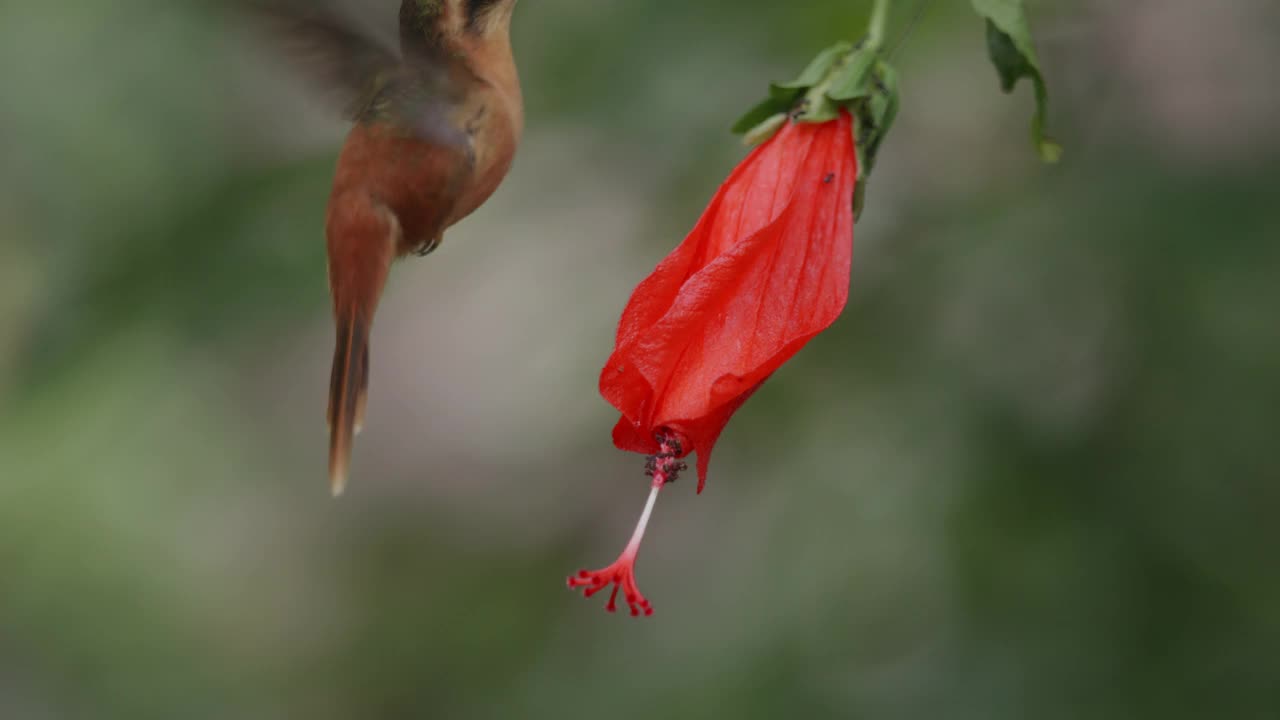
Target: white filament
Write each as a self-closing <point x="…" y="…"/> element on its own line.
<point x="634" y="546"/>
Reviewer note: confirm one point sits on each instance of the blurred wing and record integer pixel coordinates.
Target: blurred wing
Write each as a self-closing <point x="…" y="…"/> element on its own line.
<point x="342" y="61"/>
<point x="367" y="79"/>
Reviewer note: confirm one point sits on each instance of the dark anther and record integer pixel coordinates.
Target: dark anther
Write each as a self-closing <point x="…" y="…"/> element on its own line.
<point x="666" y="466"/>
<point x="665" y="463"/>
<point x="667" y="443"/>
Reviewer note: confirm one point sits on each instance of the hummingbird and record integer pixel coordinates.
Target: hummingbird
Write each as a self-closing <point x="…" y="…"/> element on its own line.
<point x="436" y="126"/>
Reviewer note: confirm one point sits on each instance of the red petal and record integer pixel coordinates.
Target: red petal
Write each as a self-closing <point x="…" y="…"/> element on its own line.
<point x="765" y="270"/>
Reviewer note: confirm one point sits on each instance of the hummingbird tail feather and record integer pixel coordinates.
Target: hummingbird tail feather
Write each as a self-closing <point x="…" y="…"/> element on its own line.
<point x="348" y="393"/>
<point x="363" y="240"/>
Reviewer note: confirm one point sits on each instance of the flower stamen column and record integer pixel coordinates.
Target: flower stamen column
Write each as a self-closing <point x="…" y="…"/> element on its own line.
<point x="663" y="467"/>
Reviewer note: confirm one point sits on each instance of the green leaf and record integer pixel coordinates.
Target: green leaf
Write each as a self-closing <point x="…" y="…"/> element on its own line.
<point x="767" y="108"/>
<point x="854" y="79"/>
<point x="875" y="114"/>
<point x="1014" y="55"/>
<point x="764" y="130"/>
<point x="818" y="68"/>
<point x="884" y="103"/>
<point x="784" y="96"/>
<point x="818" y="108"/>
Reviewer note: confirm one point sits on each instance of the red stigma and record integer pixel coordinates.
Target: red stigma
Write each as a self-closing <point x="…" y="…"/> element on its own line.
<point x="621" y="574"/>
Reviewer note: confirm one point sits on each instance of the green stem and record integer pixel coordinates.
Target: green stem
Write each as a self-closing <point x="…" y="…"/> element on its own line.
<point x="878" y="24"/>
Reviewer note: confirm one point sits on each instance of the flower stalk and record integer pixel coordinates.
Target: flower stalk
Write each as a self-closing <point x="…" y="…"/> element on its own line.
<point x="878" y="25"/>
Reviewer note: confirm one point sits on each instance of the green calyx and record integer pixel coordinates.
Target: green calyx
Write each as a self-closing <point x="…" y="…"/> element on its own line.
<point x="844" y="76"/>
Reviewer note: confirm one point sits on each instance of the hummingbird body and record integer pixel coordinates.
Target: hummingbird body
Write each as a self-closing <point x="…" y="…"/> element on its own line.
<point x="436" y="131"/>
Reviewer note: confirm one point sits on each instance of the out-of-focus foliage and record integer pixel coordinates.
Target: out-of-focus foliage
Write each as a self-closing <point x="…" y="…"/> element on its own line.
<point x="1030" y="474"/>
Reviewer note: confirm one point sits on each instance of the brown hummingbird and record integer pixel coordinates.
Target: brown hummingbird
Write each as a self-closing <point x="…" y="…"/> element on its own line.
<point x="436" y="128"/>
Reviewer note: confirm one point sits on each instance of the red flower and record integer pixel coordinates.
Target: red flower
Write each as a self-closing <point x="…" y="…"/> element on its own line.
<point x="764" y="270"/>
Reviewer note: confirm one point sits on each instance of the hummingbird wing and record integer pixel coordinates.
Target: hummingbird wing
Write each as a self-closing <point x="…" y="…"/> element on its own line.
<point x="340" y="59"/>
<point x="371" y="82"/>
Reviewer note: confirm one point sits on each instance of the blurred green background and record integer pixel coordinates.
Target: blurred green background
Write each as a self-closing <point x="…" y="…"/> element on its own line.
<point x="1031" y="473"/>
